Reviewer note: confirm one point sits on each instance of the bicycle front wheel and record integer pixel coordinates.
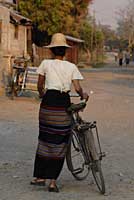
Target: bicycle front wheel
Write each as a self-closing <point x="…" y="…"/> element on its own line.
<point x="98" y="176"/>
<point x="93" y="154"/>
<point x="75" y="159"/>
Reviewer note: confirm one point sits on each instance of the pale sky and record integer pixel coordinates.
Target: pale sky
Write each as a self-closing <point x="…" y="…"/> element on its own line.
<point x="106" y="10"/>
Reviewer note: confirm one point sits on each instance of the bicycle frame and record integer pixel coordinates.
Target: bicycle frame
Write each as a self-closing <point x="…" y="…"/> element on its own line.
<point x="85" y="150"/>
<point x="80" y="126"/>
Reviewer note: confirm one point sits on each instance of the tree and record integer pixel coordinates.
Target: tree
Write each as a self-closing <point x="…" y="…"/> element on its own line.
<point x="79" y="12"/>
<point x="93" y="37"/>
<point x="111" y="37"/>
<point x="55" y="15"/>
<point x="86" y="35"/>
<point x="48" y="15"/>
<point x="126" y="23"/>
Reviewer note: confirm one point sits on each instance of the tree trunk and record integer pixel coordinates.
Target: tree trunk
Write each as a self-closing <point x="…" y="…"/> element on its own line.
<point x="88" y="55"/>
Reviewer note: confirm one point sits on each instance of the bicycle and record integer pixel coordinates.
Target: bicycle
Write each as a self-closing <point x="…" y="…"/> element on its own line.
<point x="84" y="151"/>
<point x="19" y="71"/>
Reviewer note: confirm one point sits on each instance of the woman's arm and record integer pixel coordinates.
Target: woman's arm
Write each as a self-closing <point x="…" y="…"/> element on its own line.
<point x="79" y="89"/>
<point x="40" y="85"/>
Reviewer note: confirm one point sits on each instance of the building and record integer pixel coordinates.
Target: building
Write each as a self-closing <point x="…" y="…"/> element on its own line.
<point x="15" y="36"/>
<point x="72" y="55"/>
<point x="15" y="32"/>
<point x="73" y="52"/>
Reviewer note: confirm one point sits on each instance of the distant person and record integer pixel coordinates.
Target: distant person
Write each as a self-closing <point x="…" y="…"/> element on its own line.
<point x="127" y="57"/>
<point x="133" y="55"/>
<point x="116" y="56"/>
<point x="120" y="57"/>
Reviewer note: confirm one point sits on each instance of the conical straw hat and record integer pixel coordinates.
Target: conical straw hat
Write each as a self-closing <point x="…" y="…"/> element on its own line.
<point x="58" y="39"/>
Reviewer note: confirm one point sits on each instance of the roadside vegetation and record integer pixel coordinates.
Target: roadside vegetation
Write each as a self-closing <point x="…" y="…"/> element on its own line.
<point x="69" y="17"/>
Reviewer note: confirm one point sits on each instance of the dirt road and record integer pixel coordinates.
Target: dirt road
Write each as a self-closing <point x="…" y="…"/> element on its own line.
<point x="111" y="105"/>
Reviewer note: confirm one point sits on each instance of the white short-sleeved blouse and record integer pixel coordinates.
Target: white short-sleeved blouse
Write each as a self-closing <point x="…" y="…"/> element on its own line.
<point x="59" y="74"/>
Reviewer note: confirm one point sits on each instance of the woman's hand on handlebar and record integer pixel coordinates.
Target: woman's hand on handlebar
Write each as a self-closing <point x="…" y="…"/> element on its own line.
<point x="85" y="96"/>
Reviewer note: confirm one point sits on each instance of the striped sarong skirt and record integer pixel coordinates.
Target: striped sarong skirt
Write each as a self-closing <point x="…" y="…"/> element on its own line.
<point x="54" y="134"/>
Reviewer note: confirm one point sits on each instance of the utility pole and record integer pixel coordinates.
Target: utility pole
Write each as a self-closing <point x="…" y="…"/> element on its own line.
<point x="94" y="37"/>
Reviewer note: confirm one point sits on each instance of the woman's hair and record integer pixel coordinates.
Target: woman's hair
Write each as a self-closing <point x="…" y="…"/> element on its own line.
<point x="59" y="51"/>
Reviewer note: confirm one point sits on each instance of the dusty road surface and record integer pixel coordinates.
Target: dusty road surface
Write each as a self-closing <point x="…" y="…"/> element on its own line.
<point x="111" y="105"/>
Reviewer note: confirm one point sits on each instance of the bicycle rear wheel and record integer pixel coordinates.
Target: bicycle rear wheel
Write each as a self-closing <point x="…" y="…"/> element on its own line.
<point x="95" y="159"/>
<point x="17" y="88"/>
<point x="75" y="159"/>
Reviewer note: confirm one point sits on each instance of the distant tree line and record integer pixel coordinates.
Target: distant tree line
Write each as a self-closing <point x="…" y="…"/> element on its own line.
<point x="125" y="28"/>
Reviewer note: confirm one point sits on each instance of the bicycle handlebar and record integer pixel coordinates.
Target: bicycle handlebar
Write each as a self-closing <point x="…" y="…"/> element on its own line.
<point x="77" y="95"/>
<point x="77" y="107"/>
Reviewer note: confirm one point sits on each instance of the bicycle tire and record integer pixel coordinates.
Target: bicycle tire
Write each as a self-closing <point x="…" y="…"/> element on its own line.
<point x="17" y="89"/>
<point x="95" y="160"/>
<point x="98" y="176"/>
<point x="75" y="159"/>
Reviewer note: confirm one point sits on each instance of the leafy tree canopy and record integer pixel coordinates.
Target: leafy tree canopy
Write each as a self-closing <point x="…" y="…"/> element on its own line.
<point x="92" y="35"/>
<point x="50" y="16"/>
<point x="55" y="15"/>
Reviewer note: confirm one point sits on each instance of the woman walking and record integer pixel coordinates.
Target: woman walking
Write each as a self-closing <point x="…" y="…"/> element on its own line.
<point x="56" y="75"/>
<point x="127" y="57"/>
<point x="120" y="57"/>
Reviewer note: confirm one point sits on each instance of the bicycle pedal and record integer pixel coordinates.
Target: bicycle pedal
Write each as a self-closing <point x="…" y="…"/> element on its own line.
<point x="102" y="154"/>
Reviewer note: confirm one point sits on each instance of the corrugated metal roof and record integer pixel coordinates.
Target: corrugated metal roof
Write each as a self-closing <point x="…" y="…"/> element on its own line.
<point x="19" y="18"/>
<point x="74" y="39"/>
